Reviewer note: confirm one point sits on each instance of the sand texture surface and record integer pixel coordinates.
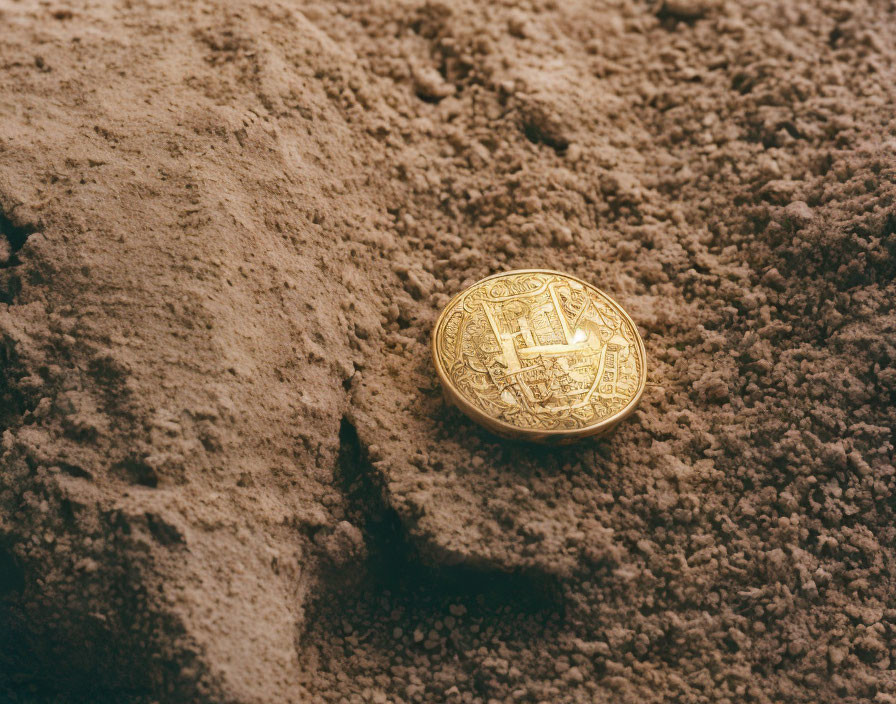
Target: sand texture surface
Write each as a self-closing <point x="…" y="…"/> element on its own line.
<point x="227" y="474"/>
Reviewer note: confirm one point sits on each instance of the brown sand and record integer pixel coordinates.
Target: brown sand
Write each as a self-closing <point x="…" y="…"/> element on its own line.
<point x="227" y="472"/>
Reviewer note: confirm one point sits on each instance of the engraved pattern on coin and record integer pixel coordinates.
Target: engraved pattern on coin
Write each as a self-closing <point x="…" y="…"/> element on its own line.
<point x="540" y="351"/>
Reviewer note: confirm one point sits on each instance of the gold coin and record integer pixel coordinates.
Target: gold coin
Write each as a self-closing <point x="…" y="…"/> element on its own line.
<point x="539" y="355"/>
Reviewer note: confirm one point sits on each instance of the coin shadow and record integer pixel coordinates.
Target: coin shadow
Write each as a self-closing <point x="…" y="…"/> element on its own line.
<point x="518" y="455"/>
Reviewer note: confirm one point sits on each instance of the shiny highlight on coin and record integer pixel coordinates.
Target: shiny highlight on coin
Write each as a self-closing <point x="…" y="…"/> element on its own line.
<point x="539" y="355"/>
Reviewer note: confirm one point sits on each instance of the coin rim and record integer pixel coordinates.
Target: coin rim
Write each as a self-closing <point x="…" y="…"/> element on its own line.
<point x="533" y="433"/>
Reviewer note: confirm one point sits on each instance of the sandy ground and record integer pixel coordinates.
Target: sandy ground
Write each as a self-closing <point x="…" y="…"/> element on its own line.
<point x="227" y="472"/>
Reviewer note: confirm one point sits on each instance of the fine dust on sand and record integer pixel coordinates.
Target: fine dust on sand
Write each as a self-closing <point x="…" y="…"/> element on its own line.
<point x="227" y="472"/>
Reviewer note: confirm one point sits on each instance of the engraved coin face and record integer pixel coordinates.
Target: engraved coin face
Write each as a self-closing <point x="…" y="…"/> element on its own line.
<point x="539" y="355"/>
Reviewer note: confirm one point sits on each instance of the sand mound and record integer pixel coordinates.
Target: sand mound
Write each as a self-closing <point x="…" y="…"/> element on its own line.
<point x="227" y="471"/>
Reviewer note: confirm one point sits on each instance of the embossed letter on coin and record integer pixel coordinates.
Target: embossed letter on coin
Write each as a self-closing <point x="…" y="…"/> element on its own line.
<point x="539" y="355"/>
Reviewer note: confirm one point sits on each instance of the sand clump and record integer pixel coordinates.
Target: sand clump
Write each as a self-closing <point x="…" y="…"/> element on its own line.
<point x="227" y="470"/>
